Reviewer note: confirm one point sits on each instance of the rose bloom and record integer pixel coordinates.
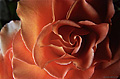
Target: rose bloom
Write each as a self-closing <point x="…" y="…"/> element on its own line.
<point x="59" y="39"/>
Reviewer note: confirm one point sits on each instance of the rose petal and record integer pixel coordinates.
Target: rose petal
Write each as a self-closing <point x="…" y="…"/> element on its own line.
<point x="101" y="29"/>
<point x="1" y="66"/>
<point x="103" y="51"/>
<point x="78" y="74"/>
<point x="111" y="71"/>
<point x="84" y="11"/>
<point x="43" y="57"/>
<point x="58" y="70"/>
<point x="7" y="34"/>
<point x="60" y="8"/>
<point x="20" y="50"/>
<point x="105" y="9"/>
<point x="5" y="65"/>
<point x="34" y="15"/>
<point x="22" y="70"/>
<point x="61" y="28"/>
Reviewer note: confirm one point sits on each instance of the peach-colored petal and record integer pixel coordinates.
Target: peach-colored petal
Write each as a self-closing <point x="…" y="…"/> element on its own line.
<point x="58" y="70"/>
<point x="79" y="74"/>
<point x="45" y="54"/>
<point x="66" y="27"/>
<point x="7" y="34"/>
<point x="34" y="14"/>
<point x="22" y="70"/>
<point x="84" y="57"/>
<point x="112" y="71"/>
<point x="104" y="8"/>
<point x="5" y="65"/>
<point x="20" y="51"/>
<point x="1" y="66"/>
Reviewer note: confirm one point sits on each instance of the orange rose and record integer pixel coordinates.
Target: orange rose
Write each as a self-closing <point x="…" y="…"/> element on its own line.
<point x="59" y="39"/>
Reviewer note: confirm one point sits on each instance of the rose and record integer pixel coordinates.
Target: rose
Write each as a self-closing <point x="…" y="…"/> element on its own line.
<point x="65" y="57"/>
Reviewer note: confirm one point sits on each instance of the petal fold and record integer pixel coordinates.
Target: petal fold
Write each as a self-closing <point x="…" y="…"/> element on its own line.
<point x="7" y="34"/>
<point x="34" y="15"/>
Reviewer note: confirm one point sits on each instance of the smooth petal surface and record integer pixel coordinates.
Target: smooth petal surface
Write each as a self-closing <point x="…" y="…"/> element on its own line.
<point x="61" y="7"/>
<point x="5" y="65"/>
<point x="20" y="50"/>
<point x="103" y="52"/>
<point x="105" y="9"/>
<point x="22" y="70"/>
<point x="45" y="54"/>
<point x="34" y="14"/>
<point x="109" y="72"/>
<point x="84" y="11"/>
<point x="7" y="34"/>
<point x="94" y="10"/>
<point x="79" y="74"/>
<point x="58" y="70"/>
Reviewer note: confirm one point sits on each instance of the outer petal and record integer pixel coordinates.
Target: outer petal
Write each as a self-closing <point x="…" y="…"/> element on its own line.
<point x="5" y="65"/>
<point x="78" y="74"/>
<point x="94" y="10"/>
<point x="84" y="11"/>
<point x="111" y="71"/>
<point x="20" y="51"/>
<point x="104" y="8"/>
<point x="7" y="34"/>
<point x="22" y="70"/>
<point x="61" y="7"/>
<point x="34" y="14"/>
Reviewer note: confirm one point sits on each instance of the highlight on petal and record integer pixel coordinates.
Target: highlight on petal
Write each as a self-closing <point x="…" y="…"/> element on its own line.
<point x="79" y="74"/>
<point x="61" y="7"/>
<point x="34" y="15"/>
<point x="23" y="70"/>
<point x="100" y="29"/>
<point x="20" y="50"/>
<point x="7" y="34"/>
<point x="45" y="54"/>
<point x="57" y="70"/>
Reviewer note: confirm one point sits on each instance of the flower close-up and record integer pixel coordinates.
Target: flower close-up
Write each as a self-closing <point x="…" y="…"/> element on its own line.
<point x="61" y="39"/>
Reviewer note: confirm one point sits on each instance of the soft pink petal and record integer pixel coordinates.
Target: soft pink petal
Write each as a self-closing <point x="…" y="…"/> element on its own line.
<point x="34" y="15"/>
<point x="7" y="34"/>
